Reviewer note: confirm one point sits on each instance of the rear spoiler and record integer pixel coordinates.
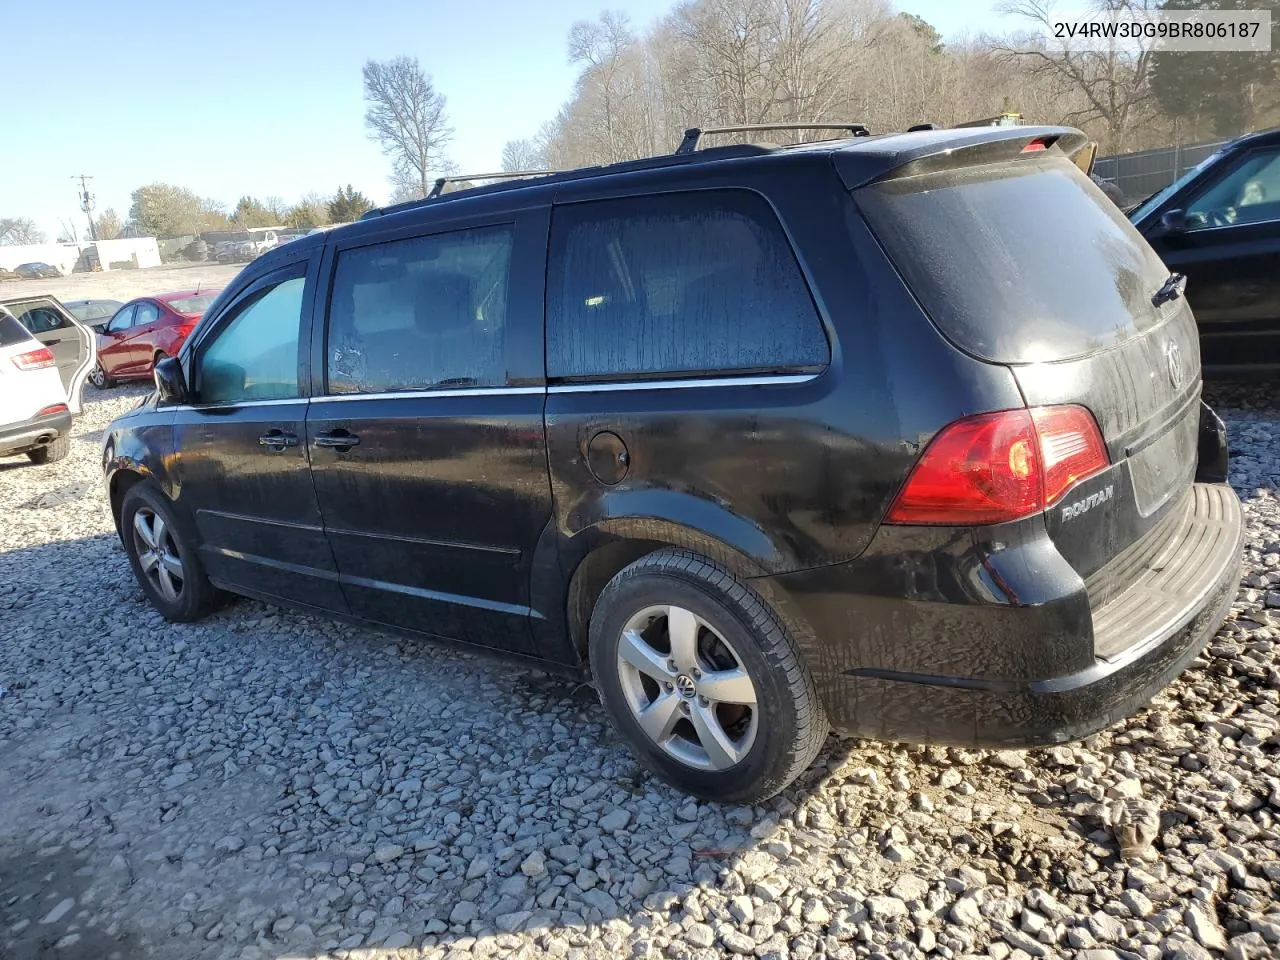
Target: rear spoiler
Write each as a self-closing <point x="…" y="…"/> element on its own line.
<point x="939" y="150"/>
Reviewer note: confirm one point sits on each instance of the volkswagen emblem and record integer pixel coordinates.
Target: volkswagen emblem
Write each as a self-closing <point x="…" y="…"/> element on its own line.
<point x="1173" y="357"/>
<point x="685" y="686"/>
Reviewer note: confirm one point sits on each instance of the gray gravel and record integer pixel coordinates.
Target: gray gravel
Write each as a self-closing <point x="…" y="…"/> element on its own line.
<point x="265" y="784"/>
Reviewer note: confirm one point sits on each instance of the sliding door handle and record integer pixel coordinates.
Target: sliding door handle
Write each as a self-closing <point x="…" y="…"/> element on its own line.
<point x="277" y="440"/>
<point x="339" y="440"/>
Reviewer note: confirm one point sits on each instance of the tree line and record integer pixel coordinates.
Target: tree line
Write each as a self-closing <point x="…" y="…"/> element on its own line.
<point x="734" y="62"/>
<point x="167" y="210"/>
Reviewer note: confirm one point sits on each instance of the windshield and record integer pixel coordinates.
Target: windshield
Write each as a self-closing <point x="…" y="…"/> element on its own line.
<point x="1160" y="196"/>
<point x="93" y="310"/>
<point x="196" y="304"/>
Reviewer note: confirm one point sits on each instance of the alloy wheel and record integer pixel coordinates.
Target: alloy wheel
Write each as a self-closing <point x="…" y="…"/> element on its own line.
<point x="97" y="377"/>
<point x="158" y="553"/>
<point x="687" y="687"/>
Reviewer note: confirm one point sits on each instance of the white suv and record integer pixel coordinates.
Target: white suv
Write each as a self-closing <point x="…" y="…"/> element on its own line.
<point x="38" y="396"/>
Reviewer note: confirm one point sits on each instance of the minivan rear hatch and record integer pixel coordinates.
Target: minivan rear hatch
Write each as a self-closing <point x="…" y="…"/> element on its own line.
<point x="1020" y="260"/>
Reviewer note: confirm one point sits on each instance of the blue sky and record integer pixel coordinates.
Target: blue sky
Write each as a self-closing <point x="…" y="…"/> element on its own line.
<point x="264" y="96"/>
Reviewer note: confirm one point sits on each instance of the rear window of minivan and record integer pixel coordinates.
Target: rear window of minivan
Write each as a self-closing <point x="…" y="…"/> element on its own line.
<point x="1017" y="262"/>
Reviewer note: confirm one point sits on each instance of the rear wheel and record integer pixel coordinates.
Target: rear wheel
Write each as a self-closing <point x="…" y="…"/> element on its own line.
<point x="51" y="452"/>
<point x="702" y="679"/>
<point x="164" y="560"/>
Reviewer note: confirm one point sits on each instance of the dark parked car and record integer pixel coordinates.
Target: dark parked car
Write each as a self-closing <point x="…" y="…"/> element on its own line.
<point x="1219" y="225"/>
<point x="881" y="433"/>
<point x="93" y="313"/>
<point x="37" y="271"/>
<point x="144" y="331"/>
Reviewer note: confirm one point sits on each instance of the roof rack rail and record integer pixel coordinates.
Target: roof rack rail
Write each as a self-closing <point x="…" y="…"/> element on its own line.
<point x="504" y="175"/>
<point x="694" y="134"/>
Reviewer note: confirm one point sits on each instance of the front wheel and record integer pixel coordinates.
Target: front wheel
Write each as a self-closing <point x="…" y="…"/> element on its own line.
<point x="98" y="377"/>
<point x="702" y="679"/>
<point x="164" y="560"/>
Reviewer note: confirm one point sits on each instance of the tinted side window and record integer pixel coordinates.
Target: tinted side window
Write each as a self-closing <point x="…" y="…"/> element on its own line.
<point x="420" y="313"/>
<point x="11" y="331"/>
<point x="1249" y="193"/>
<point x="147" y="313"/>
<point x="255" y="355"/>
<point x="682" y="283"/>
<point x="40" y="319"/>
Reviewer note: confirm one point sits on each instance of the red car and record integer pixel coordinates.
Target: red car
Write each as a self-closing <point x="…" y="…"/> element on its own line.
<point x="144" y="331"/>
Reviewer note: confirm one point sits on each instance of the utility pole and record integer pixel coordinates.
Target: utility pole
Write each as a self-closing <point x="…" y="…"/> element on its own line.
<point x="86" y="203"/>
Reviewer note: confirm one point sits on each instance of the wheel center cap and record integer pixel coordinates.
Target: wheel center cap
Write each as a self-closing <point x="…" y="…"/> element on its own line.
<point x="686" y="686"/>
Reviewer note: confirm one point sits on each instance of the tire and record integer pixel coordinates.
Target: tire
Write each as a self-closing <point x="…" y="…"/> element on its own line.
<point x="98" y="377"/>
<point x="180" y="595"/>
<point x="51" y="452"/>
<point x="731" y="632"/>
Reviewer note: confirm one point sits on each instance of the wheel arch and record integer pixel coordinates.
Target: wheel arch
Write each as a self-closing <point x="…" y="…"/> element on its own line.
<point x="597" y="554"/>
<point x="122" y="481"/>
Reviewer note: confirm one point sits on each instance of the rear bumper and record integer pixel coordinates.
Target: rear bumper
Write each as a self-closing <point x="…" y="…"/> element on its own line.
<point x="1113" y="655"/>
<point x="29" y="434"/>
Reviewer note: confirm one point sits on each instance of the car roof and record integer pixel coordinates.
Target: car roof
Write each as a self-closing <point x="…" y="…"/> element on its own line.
<point x="181" y="294"/>
<point x="861" y="159"/>
<point x="1261" y="138"/>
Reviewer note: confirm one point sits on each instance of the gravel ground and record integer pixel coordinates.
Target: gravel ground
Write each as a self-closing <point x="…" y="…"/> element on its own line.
<point x="267" y="785"/>
<point x="126" y="284"/>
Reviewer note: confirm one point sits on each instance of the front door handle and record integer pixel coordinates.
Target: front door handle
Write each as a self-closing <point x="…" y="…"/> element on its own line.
<point x="277" y="440"/>
<point x="339" y="440"/>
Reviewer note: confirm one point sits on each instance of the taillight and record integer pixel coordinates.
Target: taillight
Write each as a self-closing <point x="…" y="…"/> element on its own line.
<point x="35" y="359"/>
<point x="54" y="409"/>
<point x="1036" y="145"/>
<point x="1071" y="448"/>
<point x="997" y="467"/>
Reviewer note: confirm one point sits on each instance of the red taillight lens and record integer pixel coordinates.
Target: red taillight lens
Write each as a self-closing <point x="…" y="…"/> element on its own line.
<point x="1035" y="146"/>
<point x="997" y="467"/>
<point x="51" y="410"/>
<point x="1071" y="448"/>
<point x="35" y="359"/>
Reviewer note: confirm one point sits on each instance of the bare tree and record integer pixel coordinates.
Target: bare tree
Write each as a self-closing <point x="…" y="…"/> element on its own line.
<point x="522" y="155"/>
<point x="406" y="114"/>
<point x="600" y="48"/>
<point x="15" y="231"/>
<point x="1115" y="83"/>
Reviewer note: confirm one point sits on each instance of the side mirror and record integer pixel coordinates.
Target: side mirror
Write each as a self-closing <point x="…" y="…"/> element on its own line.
<point x="1174" y="221"/>
<point x="170" y="383"/>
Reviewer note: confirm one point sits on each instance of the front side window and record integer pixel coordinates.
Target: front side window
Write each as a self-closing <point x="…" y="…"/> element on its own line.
<point x="1249" y="193"/>
<point x="122" y="320"/>
<point x="421" y="313"/>
<point x="677" y="284"/>
<point x="255" y="355"/>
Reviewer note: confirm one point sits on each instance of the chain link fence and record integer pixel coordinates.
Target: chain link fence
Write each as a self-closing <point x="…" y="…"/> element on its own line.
<point x="1138" y="175"/>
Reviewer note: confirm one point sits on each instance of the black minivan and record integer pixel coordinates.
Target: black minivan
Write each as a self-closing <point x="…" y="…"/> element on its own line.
<point x="900" y="435"/>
